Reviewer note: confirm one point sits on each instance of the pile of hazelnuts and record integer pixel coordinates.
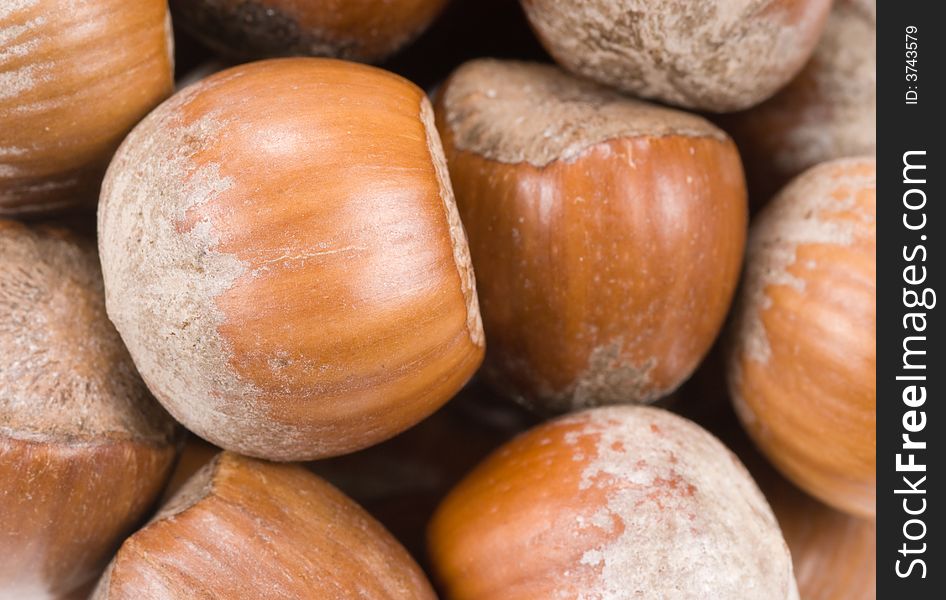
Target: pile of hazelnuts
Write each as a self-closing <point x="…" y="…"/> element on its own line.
<point x="592" y="318"/>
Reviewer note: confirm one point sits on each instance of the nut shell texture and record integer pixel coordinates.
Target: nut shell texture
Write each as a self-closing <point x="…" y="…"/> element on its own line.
<point x="244" y="528"/>
<point x="75" y="77"/>
<point x="607" y="233"/>
<point x="84" y="449"/>
<point x="828" y="111"/>
<point x="611" y="503"/>
<point x="716" y="55"/>
<point x="803" y="347"/>
<point x="284" y="259"/>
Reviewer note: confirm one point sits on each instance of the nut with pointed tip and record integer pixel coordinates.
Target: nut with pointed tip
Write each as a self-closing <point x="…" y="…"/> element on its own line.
<point x="362" y="30"/>
<point x="84" y="449"/>
<point x="606" y="233"/>
<point x="614" y="502"/>
<point x="75" y="77"/>
<point x="284" y="258"/>
<point x="245" y="528"/>
<point x="715" y="55"/>
<point x="803" y="349"/>
<point x="828" y="111"/>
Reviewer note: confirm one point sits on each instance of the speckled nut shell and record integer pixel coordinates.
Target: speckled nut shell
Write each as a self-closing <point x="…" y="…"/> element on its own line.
<point x="75" y="76"/>
<point x="607" y="233"/>
<point x="803" y="349"/>
<point x="243" y="528"/>
<point x="829" y="111"/>
<point x="715" y="55"/>
<point x="84" y="449"/>
<point x="362" y="30"/>
<point x="610" y="503"/>
<point x="284" y="258"/>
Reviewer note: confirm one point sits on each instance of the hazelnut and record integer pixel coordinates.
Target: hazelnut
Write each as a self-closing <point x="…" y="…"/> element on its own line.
<point x="715" y="55"/>
<point x="613" y="502"/>
<point x="75" y="77"/>
<point x="244" y="528"/>
<point x="607" y="233"/>
<point x="834" y="554"/>
<point x="284" y="258"/>
<point x="363" y="30"/>
<point x="803" y="349"/>
<point x="84" y="450"/>
<point x="828" y="111"/>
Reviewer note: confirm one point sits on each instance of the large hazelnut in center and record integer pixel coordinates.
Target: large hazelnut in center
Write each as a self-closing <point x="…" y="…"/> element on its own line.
<point x="606" y="233"/>
<point x="284" y="259"/>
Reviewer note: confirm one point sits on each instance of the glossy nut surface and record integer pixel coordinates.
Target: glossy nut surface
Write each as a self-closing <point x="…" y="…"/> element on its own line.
<point x="362" y="30"/>
<point x="614" y="502"/>
<point x="75" y="77"/>
<point x="715" y="55"/>
<point x="803" y="349"/>
<point x="84" y="449"/>
<point x="244" y="528"/>
<point x="607" y="233"/>
<point x="284" y="259"/>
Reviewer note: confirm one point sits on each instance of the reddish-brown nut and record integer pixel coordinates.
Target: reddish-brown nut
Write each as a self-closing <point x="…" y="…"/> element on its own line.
<point x="363" y="30"/>
<point x="284" y="258"/>
<point x="607" y="234"/>
<point x="84" y="449"/>
<point x="715" y="55"/>
<point x="614" y="502"/>
<point x="827" y="112"/>
<point x="74" y="78"/>
<point x="244" y="528"/>
<point x="803" y="357"/>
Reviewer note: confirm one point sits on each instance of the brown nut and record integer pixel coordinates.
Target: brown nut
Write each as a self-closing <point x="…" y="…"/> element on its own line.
<point x="244" y="528"/>
<point x="363" y="30"/>
<point x="716" y="55"/>
<point x="803" y="353"/>
<point x="615" y="502"/>
<point x="607" y="233"/>
<point x="75" y="77"/>
<point x="829" y="111"/>
<point x="284" y="259"/>
<point x="84" y="450"/>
